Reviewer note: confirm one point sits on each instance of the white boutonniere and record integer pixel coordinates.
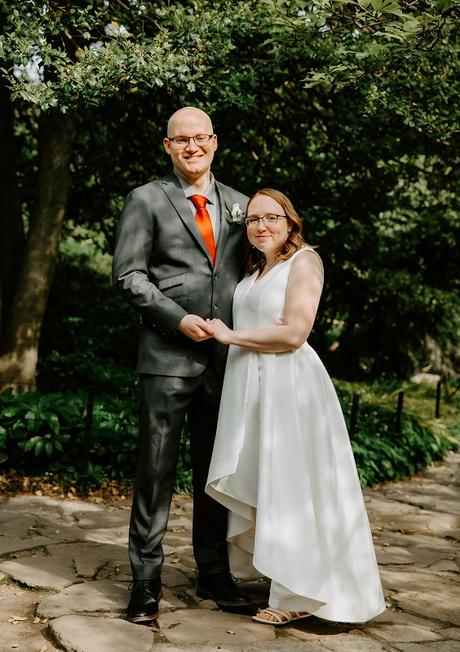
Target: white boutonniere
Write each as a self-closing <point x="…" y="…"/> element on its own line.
<point x="235" y="214"/>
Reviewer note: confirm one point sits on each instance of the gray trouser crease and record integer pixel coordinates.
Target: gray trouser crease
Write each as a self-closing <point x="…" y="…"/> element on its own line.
<point x="164" y="403"/>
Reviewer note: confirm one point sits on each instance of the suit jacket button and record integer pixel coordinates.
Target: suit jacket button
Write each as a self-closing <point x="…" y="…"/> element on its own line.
<point x="215" y="307"/>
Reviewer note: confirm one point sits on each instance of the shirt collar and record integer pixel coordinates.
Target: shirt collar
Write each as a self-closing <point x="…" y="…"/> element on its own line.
<point x="189" y="190"/>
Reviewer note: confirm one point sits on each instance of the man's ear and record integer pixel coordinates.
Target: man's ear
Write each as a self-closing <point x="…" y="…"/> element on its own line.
<point x="167" y="145"/>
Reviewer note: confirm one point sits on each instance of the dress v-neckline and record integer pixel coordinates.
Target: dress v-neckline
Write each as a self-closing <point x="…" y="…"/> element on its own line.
<point x="260" y="278"/>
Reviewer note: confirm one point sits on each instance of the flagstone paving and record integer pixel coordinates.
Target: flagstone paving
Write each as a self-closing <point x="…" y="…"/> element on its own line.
<point x="64" y="577"/>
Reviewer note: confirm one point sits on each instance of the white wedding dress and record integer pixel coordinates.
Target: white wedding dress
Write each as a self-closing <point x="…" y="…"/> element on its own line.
<point x="283" y="466"/>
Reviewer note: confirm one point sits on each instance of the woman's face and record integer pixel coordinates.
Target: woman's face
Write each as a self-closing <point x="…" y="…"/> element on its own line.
<point x="267" y="237"/>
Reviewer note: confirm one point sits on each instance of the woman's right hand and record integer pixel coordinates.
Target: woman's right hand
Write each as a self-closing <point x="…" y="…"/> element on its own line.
<point x="220" y="331"/>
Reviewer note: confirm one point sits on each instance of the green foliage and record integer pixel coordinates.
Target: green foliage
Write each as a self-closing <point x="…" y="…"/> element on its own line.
<point x="349" y="106"/>
<point x="89" y="52"/>
<point x="3" y="438"/>
<point x="83" y="54"/>
<point x="184" y="468"/>
<point x="46" y="434"/>
<point x="384" y="453"/>
<point x="39" y="426"/>
<point x="89" y="337"/>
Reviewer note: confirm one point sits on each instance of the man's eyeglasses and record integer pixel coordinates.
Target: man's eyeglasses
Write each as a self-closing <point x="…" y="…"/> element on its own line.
<point x="270" y="219"/>
<point x="183" y="141"/>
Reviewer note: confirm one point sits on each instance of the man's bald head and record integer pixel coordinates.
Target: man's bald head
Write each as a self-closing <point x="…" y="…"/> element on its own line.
<point x="191" y="160"/>
<point x="177" y="118"/>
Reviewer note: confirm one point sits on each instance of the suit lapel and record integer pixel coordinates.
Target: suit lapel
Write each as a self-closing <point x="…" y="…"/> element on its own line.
<point x="224" y="202"/>
<point x="176" y="196"/>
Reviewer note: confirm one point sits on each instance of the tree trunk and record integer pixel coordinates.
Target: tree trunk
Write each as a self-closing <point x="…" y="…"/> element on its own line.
<point x="18" y="361"/>
<point x="11" y="228"/>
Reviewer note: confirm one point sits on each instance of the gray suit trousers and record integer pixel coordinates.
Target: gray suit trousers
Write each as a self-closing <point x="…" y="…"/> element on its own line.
<point x="165" y="401"/>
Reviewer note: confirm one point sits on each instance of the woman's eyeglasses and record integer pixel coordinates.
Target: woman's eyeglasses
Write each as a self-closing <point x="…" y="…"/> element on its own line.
<point x="270" y="219"/>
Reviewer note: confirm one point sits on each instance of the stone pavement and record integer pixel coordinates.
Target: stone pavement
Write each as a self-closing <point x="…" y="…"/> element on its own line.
<point x="64" y="578"/>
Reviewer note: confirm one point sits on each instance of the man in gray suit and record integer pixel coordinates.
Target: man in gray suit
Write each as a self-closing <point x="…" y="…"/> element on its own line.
<point x="177" y="260"/>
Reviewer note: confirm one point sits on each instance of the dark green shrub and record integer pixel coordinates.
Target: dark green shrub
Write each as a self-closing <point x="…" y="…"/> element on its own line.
<point x="48" y="434"/>
<point x="37" y="426"/>
<point x="382" y="453"/>
<point x="89" y="334"/>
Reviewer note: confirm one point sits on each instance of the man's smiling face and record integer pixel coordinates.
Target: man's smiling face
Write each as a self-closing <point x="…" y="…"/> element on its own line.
<point x="191" y="161"/>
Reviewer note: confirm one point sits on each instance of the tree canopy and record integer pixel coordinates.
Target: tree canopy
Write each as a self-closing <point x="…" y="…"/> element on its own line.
<point x="350" y="107"/>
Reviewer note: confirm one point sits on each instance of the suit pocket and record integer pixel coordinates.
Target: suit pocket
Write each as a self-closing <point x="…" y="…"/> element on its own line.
<point x="173" y="286"/>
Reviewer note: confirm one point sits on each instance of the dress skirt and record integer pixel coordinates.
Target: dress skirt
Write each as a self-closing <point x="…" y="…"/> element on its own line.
<point x="283" y="466"/>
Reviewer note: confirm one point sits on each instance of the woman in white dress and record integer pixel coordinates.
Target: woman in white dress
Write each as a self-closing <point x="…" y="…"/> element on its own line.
<point x="282" y="461"/>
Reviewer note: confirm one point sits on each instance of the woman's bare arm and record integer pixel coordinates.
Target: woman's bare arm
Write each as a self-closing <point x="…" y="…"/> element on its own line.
<point x="302" y="300"/>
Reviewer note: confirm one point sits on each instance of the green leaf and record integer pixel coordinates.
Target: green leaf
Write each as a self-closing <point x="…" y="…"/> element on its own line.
<point x="31" y="443"/>
<point x="39" y="447"/>
<point x="11" y="411"/>
<point x="53" y="422"/>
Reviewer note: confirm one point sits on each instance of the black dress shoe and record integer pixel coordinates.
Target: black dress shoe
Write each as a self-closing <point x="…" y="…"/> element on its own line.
<point x="222" y="589"/>
<point x="145" y="596"/>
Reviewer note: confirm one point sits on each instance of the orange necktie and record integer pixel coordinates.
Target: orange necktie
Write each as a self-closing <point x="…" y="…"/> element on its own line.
<point x="203" y="221"/>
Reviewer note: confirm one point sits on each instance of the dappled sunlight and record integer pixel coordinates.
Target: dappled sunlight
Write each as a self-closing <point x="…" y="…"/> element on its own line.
<point x="311" y="530"/>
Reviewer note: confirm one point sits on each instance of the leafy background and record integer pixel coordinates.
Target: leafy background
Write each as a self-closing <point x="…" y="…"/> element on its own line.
<point x="350" y="107"/>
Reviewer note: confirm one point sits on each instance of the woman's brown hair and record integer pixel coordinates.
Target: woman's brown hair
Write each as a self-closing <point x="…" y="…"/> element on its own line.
<point x="255" y="260"/>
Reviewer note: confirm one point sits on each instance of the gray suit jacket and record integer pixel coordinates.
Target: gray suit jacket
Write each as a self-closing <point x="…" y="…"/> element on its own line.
<point x="162" y="268"/>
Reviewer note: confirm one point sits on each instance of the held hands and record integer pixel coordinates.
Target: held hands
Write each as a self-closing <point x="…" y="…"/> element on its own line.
<point x="196" y="328"/>
<point x="220" y="331"/>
